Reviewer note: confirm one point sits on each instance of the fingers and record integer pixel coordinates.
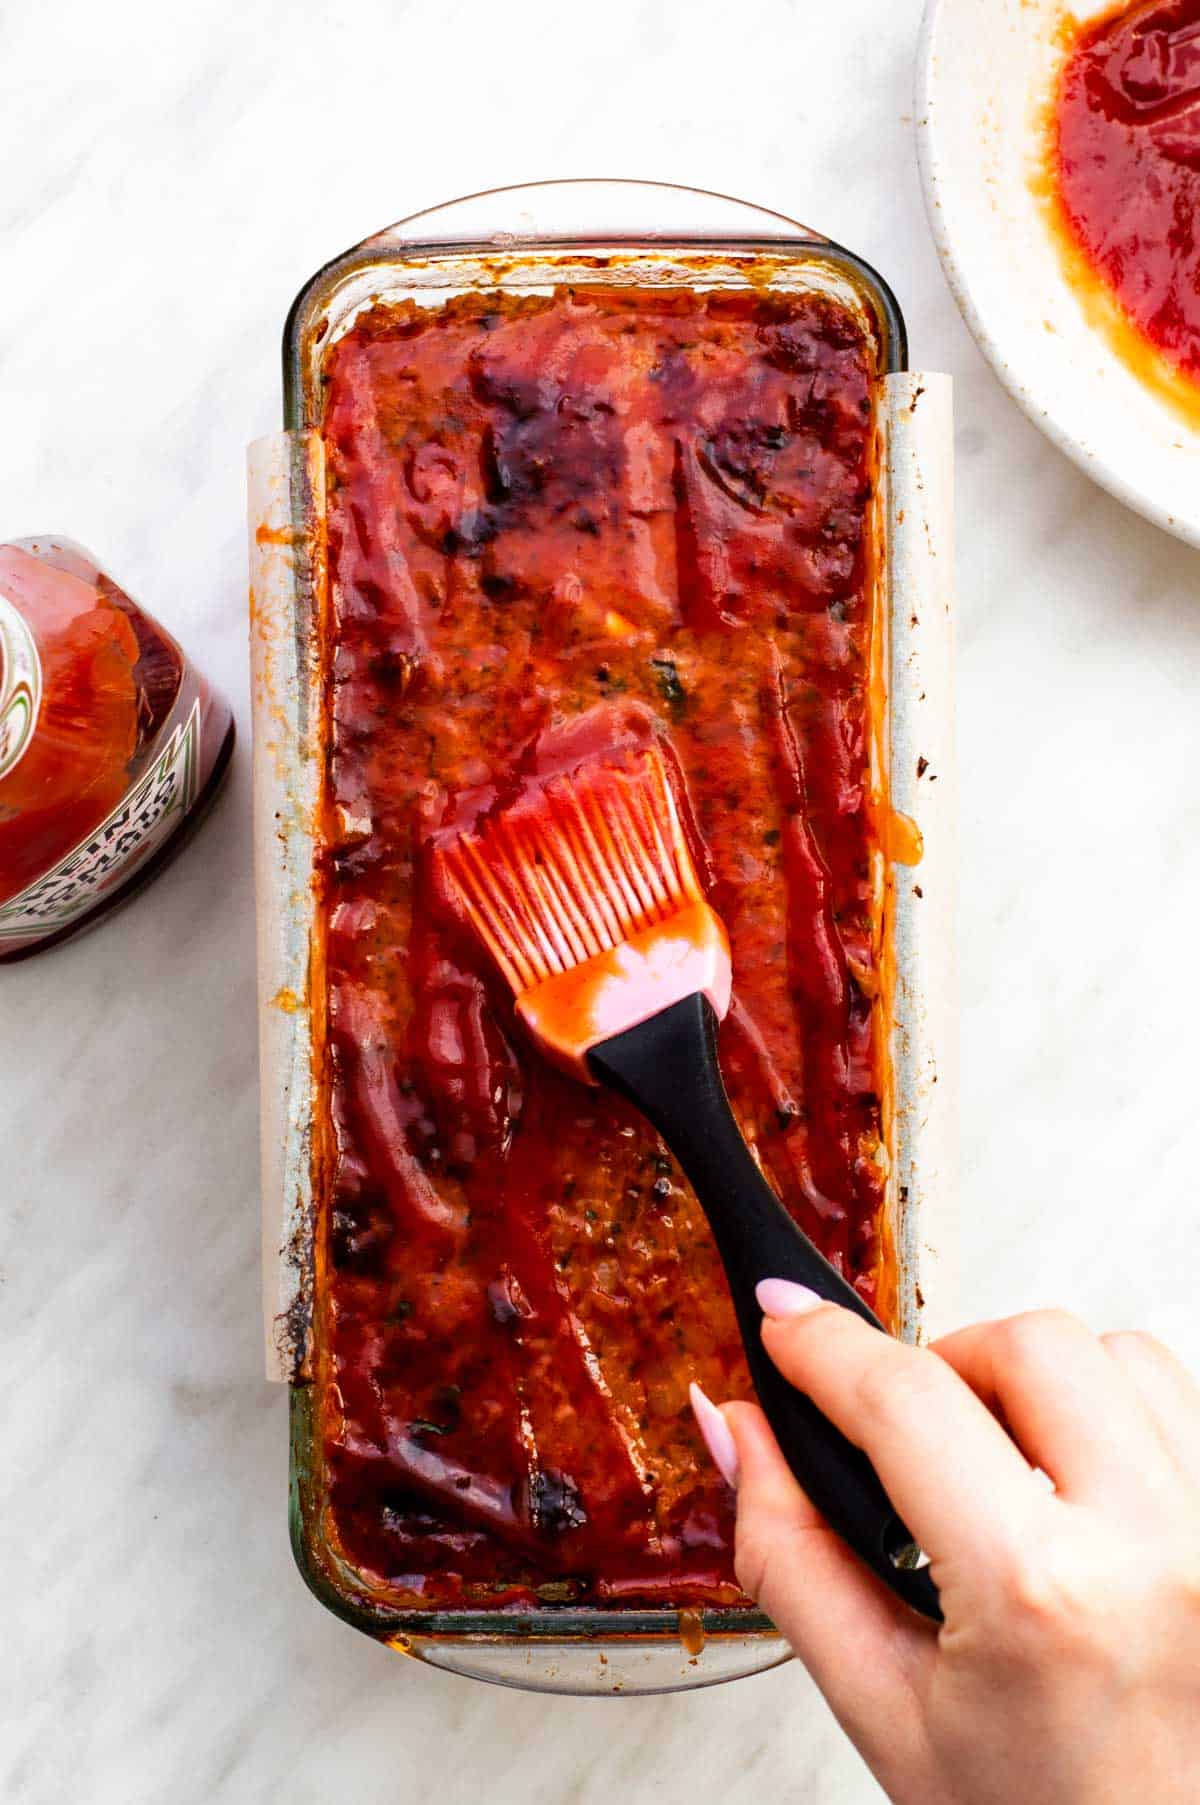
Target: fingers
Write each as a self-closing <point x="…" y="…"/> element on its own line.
<point x="865" y="1650"/>
<point x="1168" y="1392"/>
<point x="947" y="1465"/>
<point x="1071" y="1409"/>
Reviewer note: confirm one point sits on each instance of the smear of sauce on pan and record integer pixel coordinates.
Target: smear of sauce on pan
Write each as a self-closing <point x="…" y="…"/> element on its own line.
<point x="1123" y="187"/>
<point x="537" y="504"/>
<point x="691" y="1633"/>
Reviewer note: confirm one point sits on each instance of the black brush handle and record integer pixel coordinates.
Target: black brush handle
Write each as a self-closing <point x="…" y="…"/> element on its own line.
<point x="668" y="1068"/>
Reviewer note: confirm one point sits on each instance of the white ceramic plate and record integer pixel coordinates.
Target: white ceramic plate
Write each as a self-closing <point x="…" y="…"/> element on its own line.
<point x="984" y="70"/>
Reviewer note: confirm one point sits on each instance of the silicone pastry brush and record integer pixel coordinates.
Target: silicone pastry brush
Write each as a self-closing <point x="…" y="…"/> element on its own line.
<point x="587" y="897"/>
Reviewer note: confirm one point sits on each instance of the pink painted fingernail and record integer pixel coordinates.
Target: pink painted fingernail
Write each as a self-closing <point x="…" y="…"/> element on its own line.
<point x="717" y="1437"/>
<point x="780" y="1297"/>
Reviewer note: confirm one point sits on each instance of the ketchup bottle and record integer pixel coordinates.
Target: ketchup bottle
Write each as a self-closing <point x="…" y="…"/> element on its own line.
<point x="111" y="744"/>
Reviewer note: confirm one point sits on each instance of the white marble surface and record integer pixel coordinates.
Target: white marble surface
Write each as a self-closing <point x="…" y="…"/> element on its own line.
<point x="171" y="176"/>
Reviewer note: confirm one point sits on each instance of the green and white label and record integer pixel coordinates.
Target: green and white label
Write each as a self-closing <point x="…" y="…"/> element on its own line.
<point x="20" y="686"/>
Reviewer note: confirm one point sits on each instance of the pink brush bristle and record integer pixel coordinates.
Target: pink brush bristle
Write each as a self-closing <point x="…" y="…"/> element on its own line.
<point x="597" y="855"/>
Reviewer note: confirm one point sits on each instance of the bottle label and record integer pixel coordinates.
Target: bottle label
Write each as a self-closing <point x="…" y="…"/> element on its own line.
<point x="20" y="686"/>
<point x="137" y="827"/>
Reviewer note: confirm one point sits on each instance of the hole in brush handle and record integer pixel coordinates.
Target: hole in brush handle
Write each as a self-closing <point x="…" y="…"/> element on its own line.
<point x="839" y="1479"/>
<point x="667" y="1066"/>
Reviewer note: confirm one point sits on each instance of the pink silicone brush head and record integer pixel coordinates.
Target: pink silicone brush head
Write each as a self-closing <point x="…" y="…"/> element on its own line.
<point x="587" y="897"/>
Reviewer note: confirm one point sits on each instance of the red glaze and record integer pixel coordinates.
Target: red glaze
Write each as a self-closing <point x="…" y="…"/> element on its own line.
<point x="1126" y="158"/>
<point x="537" y="504"/>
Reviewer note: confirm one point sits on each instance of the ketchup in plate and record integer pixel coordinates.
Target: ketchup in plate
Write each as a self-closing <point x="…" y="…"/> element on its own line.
<point x="1125" y="163"/>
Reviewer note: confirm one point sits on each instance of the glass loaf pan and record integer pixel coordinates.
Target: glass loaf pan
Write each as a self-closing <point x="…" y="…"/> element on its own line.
<point x="523" y="239"/>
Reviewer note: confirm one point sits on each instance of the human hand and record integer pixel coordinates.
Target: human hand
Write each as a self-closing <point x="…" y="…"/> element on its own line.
<point x="1067" y="1670"/>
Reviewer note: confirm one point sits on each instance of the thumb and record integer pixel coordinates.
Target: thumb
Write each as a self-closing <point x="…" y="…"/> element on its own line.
<point x="866" y="1651"/>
